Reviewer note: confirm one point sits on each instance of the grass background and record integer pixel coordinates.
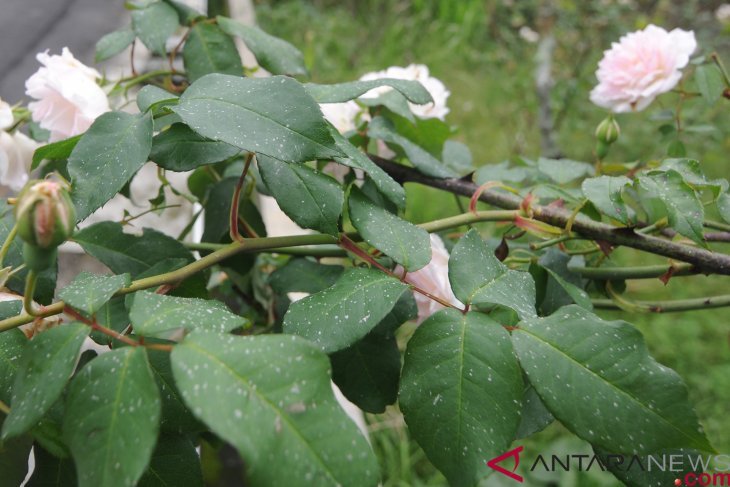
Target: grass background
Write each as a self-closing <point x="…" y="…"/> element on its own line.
<point x="475" y="48"/>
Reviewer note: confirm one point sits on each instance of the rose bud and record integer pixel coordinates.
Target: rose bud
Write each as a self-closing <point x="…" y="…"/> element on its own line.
<point x="608" y="130"/>
<point x="46" y="218"/>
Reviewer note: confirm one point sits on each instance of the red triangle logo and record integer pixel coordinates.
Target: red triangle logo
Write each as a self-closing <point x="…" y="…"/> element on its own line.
<point x="514" y="453"/>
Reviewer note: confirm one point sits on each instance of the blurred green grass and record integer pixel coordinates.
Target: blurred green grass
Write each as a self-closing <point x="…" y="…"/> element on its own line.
<point x="473" y="46"/>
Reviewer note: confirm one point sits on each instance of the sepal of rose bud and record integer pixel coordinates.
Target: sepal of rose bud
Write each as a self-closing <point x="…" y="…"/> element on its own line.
<point x="45" y="214"/>
<point x="608" y="130"/>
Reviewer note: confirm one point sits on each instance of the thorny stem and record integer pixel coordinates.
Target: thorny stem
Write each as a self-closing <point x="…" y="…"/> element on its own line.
<point x="705" y="260"/>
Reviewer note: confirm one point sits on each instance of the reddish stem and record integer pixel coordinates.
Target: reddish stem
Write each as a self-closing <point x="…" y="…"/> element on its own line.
<point x="112" y="333"/>
<point x="234" y="218"/>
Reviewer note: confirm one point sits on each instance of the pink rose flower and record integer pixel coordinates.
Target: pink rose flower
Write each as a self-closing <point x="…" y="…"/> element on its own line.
<point x="433" y="278"/>
<point x="641" y="66"/>
<point x="69" y="99"/>
<point x="16" y="155"/>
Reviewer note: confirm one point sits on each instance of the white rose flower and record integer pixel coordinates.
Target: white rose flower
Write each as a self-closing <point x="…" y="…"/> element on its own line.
<point x="6" y="115"/>
<point x="640" y="67"/>
<point x="420" y="73"/>
<point x="344" y="116"/>
<point x="16" y="155"/>
<point x="433" y="278"/>
<point x="69" y="99"/>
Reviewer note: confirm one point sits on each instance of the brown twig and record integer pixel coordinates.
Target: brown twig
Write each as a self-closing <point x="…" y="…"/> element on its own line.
<point x="704" y="260"/>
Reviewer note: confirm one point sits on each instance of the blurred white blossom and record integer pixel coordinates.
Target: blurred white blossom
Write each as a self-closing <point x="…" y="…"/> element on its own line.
<point x="68" y="97"/>
<point x="529" y="35"/>
<point x="434" y="278"/>
<point x="641" y="66"/>
<point x="344" y="116"/>
<point x="722" y="13"/>
<point x="6" y="115"/>
<point x="16" y="155"/>
<point x="414" y="72"/>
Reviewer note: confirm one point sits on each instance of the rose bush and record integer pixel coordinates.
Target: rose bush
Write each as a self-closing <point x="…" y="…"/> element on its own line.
<point x="201" y="353"/>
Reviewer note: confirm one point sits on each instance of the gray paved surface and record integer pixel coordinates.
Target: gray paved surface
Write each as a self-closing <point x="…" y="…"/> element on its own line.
<point x="30" y="26"/>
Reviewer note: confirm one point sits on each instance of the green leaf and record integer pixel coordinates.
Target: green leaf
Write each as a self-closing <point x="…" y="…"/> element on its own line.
<point x="341" y="92"/>
<point x="563" y="171"/>
<point x="400" y="240"/>
<point x="14" y="455"/>
<point x="356" y="159"/>
<point x="185" y="13"/>
<point x="273" y="54"/>
<point x="152" y="314"/>
<point x="218" y="209"/>
<point x="310" y="198"/>
<point x="393" y="101"/>
<point x="122" y="252"/>
<point x="151" y="95"/>
<point x="598" y="379"/>
<point x="174" y="463"/>
<point x="45" y="366"/>
<point x="113" y="43"/>
<point x="89" y="292"/>
<point x="210" y="50"/>
<point x="154" y="25"/>
<point x="54" y="151"/>
<point x="692" y="173"/>
<point x="12" y="343"/>
<point x="605" y="194"/>
<point x="560" y="286"/>
<point x="460" y="392"/>
<point x="367" y="373"/>
<point x="478" y="278"/>
<point x="380" y="128"/>
<point x="458" y="157"/>
<point x="535" y="416"/>
<point x="51" y="471"/>
<point x="723" y="206"/>
<point x="176" y="417"/>
<point x="179" y="148"/>
<point x="709" y="82"/>
<point x="304" y="276"/>
<point x="502" y="172"/>
<point x="635" y="472"/>
<point x="112" y="418"/>
<point x="219" y="106"/>
<point x="270" y="397"/>
<point x="107" y="156"/>
<point x="682" y="206"/>
<point x="11" y="308"/>
<point x="341" y="315"/>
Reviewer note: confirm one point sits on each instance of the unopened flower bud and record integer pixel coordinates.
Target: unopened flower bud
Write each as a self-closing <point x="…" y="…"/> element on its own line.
<point x="608" y="130"/>
<point x="46" y="218"/>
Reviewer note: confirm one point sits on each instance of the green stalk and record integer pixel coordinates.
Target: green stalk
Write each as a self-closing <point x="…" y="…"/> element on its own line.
<point x="6" y="245"/>
<point x="670" y="306"/>
<point x="634" y="272"/>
